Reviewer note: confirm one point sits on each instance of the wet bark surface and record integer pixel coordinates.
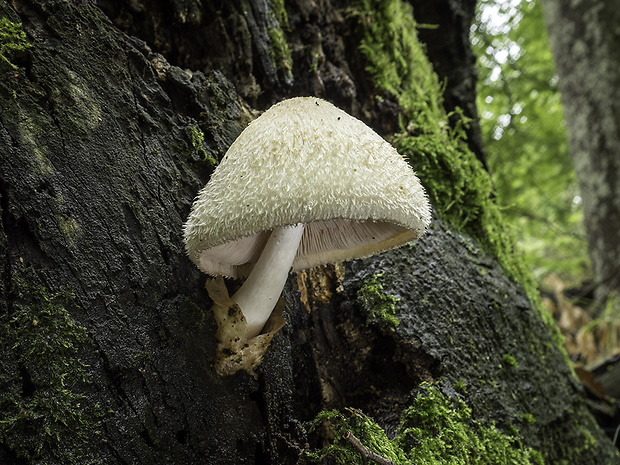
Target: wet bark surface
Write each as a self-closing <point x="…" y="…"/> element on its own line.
<point x="105" y="142"/>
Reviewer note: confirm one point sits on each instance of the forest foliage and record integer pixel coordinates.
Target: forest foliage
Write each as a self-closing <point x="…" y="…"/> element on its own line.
<point x="525" y="137"/>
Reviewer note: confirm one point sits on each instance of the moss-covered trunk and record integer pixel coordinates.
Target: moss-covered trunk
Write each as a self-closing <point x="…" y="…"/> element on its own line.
<point x="112" y="120"/>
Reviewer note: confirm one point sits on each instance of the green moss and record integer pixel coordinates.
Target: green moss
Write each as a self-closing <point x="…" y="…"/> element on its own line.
<point x="42" y="415"/>
<point x="396" y="60"/>
<point x="528" y="418"/>
<point x="460" y="387"/>
<point x="280" y="51"/>
<point x="12" y="39"/>
<point x="277" y="7"/>
<point x="195" y="149"/>
<point x="371" y="435"/>
<point x="377" y="304"/>
<point x="509" y="360"/>
<point x="458" y="186"/>
<point x="434" y="431"/>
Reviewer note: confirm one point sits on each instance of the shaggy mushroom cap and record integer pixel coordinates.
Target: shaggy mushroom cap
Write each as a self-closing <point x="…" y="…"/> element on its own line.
<point x="305" y="161"/>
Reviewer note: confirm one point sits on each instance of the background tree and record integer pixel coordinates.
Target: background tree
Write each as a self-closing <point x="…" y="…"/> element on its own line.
<point x="586" y="48"/>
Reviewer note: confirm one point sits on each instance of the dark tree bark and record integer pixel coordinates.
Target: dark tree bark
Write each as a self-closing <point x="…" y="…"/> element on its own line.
<point x="586" y="46"/>
<point x="447" y="41"/>
<point x="106" y="335"/>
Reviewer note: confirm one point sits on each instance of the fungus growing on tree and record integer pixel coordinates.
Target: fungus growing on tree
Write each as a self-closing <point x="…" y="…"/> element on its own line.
<point x="304" y="185"/>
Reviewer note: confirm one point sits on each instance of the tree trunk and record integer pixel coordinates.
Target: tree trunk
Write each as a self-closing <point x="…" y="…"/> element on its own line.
<point x="453" y="59"/>
<point x="586" y="46"/>
<point x="106" y="337"/>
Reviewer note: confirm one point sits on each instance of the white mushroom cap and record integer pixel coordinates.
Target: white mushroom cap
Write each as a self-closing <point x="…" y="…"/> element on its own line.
<point x="305" y="161"/>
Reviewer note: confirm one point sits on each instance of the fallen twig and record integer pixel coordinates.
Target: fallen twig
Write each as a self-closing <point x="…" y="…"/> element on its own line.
<point x="367" y="454"/>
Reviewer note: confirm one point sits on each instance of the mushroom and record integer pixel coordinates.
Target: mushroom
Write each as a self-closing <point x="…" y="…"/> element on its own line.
<point x="305" y="184"/>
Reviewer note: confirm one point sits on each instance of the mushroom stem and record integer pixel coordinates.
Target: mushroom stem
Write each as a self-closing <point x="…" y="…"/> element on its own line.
<point x="261" y="290"/>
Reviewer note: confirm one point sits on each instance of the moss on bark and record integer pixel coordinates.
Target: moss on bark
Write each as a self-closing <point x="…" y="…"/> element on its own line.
<point x="45" y="417"/>
<point x="434" y="430"/>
